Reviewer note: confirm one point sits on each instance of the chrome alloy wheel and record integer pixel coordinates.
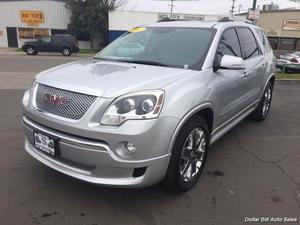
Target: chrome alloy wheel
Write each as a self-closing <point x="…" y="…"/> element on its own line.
<point x="267" y="100"/>
<point x="192" y="154"/>
<point x="30" y="50"/>
<point x="66" y="51"/>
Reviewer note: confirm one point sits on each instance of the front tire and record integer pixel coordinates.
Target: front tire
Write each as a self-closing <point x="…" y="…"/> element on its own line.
<point x="188" y="156"/>
<point x="263" y="108"/>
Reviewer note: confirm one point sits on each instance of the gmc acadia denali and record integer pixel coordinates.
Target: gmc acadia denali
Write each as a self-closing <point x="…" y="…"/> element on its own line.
<point x="147" y="107"/>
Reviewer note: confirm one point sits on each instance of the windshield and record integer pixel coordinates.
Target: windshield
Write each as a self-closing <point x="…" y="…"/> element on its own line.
<point x="161" y="46"/>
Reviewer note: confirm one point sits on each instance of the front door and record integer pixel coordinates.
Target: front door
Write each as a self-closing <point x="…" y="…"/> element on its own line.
<point x="255" y="63"/>
<point x="231" y="86"/>
<point x="12" y="38"/>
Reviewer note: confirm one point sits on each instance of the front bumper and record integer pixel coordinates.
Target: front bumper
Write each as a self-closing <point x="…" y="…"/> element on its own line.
<point x="95" y="161"/>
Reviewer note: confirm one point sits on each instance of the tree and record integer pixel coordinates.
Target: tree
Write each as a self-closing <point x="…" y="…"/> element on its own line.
<point x="90" y="17"/>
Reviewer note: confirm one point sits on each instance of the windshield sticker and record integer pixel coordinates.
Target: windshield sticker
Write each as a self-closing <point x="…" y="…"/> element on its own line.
<point x="137" y="29"/>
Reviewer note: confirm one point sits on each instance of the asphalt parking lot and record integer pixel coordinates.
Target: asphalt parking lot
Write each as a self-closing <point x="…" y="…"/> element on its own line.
<point x="253" y="171"/>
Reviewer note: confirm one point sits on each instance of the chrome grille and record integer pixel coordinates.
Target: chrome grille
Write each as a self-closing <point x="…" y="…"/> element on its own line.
<point x="76" y="106"/>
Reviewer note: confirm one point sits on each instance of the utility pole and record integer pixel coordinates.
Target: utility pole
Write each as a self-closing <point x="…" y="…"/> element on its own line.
<point x="172" y="5"/>
<point x="232" y="8"/>
<point x="254" y="4"/>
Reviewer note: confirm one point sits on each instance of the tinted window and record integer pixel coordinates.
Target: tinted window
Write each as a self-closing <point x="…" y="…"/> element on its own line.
<point x="248" y="43"/>
<point x="228" y="45"/>
<point x="46" y="39"/>
<point x="273" y="42"/>
<point x="263" y="39"/>
<point x="267" y="43"/>
<point x="287" y="43"/>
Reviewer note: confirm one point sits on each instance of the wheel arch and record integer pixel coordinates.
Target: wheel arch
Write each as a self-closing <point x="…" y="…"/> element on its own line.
<point x="65" y="46"/>
<point x="30" y="45"/>
<point x="272" y="79"/>
<point x="205" y="111"/>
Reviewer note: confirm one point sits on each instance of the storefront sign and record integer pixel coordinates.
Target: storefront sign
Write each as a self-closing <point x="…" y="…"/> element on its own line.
<point x="181" y="16"/>
<point x="293" y="25"/>
<point x="32" y="17"/>
<point x="253" y="14"/>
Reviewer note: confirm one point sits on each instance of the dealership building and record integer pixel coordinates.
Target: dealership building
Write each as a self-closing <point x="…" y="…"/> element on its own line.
<point x="25" y="20"/>
<point x="282" y="28"/>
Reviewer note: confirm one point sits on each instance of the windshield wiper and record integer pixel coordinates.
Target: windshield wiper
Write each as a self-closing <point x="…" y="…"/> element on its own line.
<point x="146" y="62"/>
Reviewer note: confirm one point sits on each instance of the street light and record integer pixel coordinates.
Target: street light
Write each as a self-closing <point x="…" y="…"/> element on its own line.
<point x="254" y="4"/>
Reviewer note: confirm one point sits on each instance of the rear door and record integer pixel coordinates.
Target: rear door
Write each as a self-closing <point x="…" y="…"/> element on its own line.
<point x="56" y="43"/>
<point x="255" y="63"/>
<point x="45" y="44"/>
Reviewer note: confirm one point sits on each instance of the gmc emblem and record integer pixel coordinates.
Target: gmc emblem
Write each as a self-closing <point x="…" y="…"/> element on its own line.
<point x="55" y="100"/>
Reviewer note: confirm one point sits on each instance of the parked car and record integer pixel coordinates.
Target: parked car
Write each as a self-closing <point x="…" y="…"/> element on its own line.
<point x="147" y="108"/>
<point x="66" y="44"/>
<point x="290" y="62"/>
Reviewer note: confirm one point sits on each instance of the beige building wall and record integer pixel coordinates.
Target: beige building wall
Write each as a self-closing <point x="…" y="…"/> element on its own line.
<point x="282" y="27"/>
<point x="272" y="22"/>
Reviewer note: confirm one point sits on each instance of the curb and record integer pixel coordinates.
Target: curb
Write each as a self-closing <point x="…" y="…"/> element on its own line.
<point x="288" y="81"/>
<point x="11" y="53"/>
<point x="73" y="55"/>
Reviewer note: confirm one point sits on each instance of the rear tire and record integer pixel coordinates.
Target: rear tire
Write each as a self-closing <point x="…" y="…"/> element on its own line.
<point x="30" y="50"/>
<point x="262" y="110"/>
<point x="188" y="159"/>
<point x="66" y="51"/>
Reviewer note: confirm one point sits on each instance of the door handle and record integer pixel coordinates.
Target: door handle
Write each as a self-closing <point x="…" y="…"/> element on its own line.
<point x="245" y="74"/>
<point x="263" y="66"/>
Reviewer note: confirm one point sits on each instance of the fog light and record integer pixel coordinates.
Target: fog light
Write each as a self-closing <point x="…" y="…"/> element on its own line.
<point x="130" y="148"/>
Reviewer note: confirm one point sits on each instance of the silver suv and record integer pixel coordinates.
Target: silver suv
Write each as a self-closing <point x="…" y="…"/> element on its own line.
<point x="148" y="106"/>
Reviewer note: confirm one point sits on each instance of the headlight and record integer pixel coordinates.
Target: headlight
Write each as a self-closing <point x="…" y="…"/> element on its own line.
<point x="135" y="106"/>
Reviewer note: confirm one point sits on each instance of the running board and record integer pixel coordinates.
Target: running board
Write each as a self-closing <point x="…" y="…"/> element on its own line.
<point x="228" y="125"/>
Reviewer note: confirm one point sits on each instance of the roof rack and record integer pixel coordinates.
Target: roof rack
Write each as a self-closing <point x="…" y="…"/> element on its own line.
<point x="227" y="19"/>
<point x="168" y="19"/>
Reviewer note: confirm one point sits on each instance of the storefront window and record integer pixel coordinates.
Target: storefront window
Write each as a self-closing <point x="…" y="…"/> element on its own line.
<point x="298" y="44"/>
<point x="32" y="33"/>
<point x="40" y="32"/>
<point x="25" y="33"/>
<point x="58" y="31"/>
<point x="287" y="44"/>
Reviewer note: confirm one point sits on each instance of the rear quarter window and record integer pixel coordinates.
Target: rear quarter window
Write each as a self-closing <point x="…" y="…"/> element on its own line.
<point x="263" y="39"/>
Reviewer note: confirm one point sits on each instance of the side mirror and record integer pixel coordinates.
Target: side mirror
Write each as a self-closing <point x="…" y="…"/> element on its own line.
<point x="229" y="62"/>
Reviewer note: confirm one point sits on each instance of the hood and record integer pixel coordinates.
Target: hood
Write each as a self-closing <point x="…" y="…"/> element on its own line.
<point x="109" y="79"/>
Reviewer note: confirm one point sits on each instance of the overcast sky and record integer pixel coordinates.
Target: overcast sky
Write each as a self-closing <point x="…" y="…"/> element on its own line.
<point x="211" y="7"/>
